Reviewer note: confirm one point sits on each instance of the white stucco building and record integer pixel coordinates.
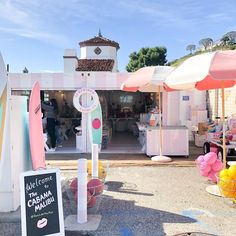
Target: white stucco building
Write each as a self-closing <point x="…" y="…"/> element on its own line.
<point x="97" y="68"/>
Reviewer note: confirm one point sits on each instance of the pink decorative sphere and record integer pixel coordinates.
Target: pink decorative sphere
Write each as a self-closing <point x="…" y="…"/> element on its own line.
<point x="205" y="167"/>
<point x="217" y="166"/>
<point x="91" y="200"/>
<point x="95" y="187"/>
<point x="204" y="173"/>
<point x="73" y="185"/>
<point x="212" y="176"/>
<point x="210" y="158"/>
<point x="200" y="159"/>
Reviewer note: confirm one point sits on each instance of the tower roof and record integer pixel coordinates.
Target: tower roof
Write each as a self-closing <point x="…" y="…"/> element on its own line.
<point x="95" y="65"/>
<point x="99" y="40"/>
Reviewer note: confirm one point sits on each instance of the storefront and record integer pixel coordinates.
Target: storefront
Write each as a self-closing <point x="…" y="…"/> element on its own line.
<point x="121" y="110"/>
<point x="97" y="69"/>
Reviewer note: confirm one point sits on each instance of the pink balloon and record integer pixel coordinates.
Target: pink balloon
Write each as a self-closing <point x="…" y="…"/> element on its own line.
<point x="212" y="176"/>
<point x="204" y="173"/>
<point x="217" y="166"/>
<point x="200" y="159"/>
<point x="210" y="158"/>
<point x="205" y="167"/>
<point x="214" y="149"/>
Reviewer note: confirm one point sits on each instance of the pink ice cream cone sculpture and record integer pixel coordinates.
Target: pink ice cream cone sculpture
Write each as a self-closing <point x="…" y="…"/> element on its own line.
<point x="209" y="166"/>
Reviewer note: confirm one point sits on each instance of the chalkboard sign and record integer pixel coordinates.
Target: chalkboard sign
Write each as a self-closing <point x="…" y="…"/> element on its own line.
<point x="41" y="203"/>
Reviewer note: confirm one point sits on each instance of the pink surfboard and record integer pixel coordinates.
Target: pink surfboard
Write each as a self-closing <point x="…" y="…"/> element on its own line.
<point x="36" y="129"/>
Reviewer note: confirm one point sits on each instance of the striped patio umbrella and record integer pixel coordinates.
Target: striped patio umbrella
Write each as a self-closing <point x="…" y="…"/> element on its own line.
<point x="213" y="70"/>
<point x="150" y="79"/>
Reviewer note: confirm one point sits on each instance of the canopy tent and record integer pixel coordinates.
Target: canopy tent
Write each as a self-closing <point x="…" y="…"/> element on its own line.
<point x="150" y="79"/>
<point x="206" y="71"/>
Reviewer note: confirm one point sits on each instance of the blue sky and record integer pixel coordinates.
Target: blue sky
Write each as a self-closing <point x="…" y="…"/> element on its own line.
<point x="34" y="33"/>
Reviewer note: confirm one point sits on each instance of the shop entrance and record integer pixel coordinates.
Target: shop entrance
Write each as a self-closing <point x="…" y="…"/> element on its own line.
<point x="121" y="112"/>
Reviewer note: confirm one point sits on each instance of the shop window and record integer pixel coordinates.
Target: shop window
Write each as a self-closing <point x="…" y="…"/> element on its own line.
<point x="126" y="99"/>
<point x="46" y="96"/>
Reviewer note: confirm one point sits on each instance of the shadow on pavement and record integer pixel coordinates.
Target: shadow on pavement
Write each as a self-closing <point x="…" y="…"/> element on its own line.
<point x="124" y="218"/>
<point x="116" y="186"/>
<point x="119" y="217"/>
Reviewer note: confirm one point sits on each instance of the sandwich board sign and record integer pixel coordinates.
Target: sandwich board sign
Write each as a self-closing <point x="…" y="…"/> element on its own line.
<point x="41" y="203"/>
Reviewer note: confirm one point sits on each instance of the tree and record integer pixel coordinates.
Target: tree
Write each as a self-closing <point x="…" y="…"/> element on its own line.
<point x="206" y="42"/>
<point x="231" y="35"/>
<point x="146" y="57"/>
<point x="225" y="40"/>
<point x="191" y="48"/>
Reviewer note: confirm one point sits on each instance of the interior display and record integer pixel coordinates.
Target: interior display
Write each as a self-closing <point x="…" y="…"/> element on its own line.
<point x="114" y="121"/>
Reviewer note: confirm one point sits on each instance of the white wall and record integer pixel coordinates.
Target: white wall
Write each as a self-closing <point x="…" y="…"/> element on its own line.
<point x="170" y="107"/>
<point x="108" y="52"/>
<point x="197" y="101"/>
<point x="70" y="60"/>
<point x="178" y="106"/>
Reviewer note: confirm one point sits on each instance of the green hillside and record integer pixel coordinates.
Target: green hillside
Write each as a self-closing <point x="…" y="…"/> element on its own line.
<point x="180" y="60"/>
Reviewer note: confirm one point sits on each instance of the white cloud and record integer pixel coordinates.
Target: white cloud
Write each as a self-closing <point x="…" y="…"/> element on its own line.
<point x="51" y="20"/>
<point x="178" y="14"/>
<point x="14" y="15"/>
<point x="38" y="35"/>
<point x="23" y="18"/>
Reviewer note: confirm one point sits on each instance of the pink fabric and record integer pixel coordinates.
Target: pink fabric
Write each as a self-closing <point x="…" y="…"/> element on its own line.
<point x="139" y="78"/>
<point x="147" y="79"/>
<point x="130" y="89"/>
<point x="222" y="71"/>
<point x="209" y="83"/>
<point x="223" y="65"/>
<point x="206" y="71"/>
<point x="167" y="88"/>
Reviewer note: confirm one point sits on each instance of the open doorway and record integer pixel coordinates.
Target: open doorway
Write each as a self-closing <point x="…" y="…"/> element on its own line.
<point x="121" y="112"/>
<point x="68" y="119"/>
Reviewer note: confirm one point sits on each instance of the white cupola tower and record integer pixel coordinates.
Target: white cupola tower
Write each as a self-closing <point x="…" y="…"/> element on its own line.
<point x="97" y="54"/>
<point x="99" y="51"/>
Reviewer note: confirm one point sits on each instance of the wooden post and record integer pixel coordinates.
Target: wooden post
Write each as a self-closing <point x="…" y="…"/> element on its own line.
<point x="160" y="120"/>
<point x="223" y="120"/>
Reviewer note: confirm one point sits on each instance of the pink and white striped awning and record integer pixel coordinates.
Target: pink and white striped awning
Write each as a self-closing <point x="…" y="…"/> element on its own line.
<point x="68" y="81"/>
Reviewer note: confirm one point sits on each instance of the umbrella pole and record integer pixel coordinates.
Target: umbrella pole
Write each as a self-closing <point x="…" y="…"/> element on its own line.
<point x="223" y="121"/>
<point x="160" y="121"/>
<point x="214" y="189"/>
<point x="160" y="157"/>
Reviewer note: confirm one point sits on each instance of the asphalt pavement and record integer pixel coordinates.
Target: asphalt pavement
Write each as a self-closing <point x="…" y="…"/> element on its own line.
<point x="145" y="198"/>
